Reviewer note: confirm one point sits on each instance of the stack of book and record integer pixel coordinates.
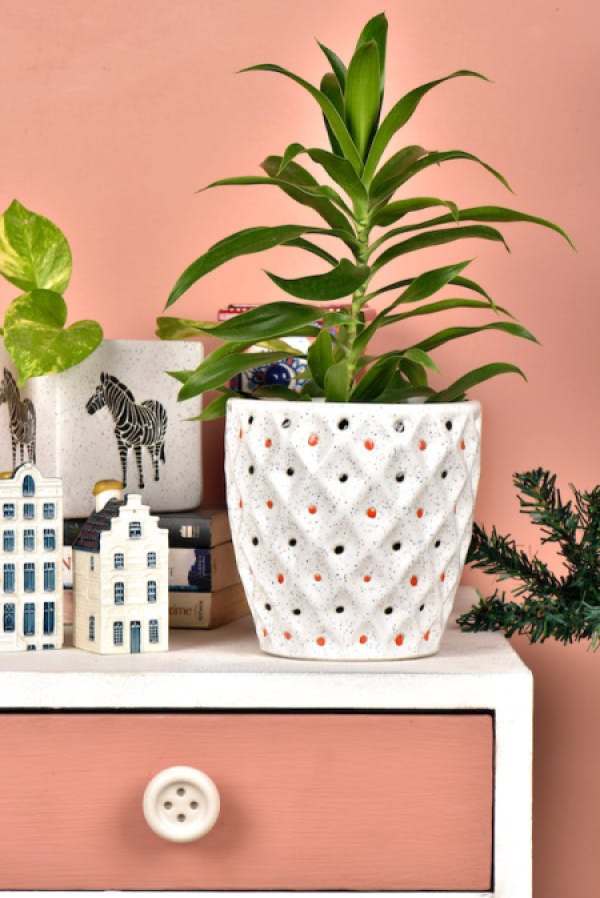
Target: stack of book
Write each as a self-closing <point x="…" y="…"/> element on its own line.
<point x="204" y="584"/>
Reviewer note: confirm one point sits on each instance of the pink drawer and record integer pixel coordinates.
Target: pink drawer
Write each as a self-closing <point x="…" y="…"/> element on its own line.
<point x="308" y="800"/>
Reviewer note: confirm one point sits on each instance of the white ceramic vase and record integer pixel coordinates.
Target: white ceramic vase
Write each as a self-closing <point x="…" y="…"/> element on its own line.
<point x="351" y="522"/>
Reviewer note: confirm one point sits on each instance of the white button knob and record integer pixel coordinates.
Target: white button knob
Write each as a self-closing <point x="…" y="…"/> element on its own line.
<point x="181" y="804"/>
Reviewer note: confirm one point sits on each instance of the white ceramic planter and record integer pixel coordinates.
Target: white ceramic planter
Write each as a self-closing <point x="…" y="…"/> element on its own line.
<point x="351" y="522"/>
<point x="117" y="409"/>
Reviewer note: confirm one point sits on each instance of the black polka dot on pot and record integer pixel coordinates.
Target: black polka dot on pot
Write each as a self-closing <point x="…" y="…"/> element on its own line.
<point x="296" y="611"/>
<point x="268" y="607"/>
<point x="438" y="543"/>
<point x="399" y="426"/>
<point x="448" y="425"/>
<point x="343" y="424"/>
<point x="421" y="607"/>
<point x="290" y="472"/>
<point x="399" y="478"/>
<point x="343" y="478"/>
<point x="444" y="474"/>
<point x="396" y="547"/>
<point x="251" y="469"/>
<point x="255" y="540"/>
<point x="339" y="609"/>
<point x="292" y="542"/>
<point x="286" y="422"/>
<point x="250" y="420"/>
<point x="388" y="610"/>
<point x="338" y="550"/>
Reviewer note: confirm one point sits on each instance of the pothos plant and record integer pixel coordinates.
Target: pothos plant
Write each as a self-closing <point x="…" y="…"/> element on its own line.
<point x="36" y="258"/>
<point x="368" y="213"/>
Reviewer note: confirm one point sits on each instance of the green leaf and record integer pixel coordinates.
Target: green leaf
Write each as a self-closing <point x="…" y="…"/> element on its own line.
<point x="390" y="185"/>
<point x="342" y="173"/>
<point x="170" y="328"/>
<point x="342" y="280"/>
<point x="332" y="115"/>
<point x="332" y="90"/>
<point x="274" y="319"/>
<point x="276" y="391"/>
<point x="456" y="281"/>
<point x="436" y="238"/>
<point x="375" y="380"/>
<point x="320" y="357"/>
<point x="362" y="95"/>
<point x="301" y="243"/>
<point x="473" y="378"/>
<point x="319" y="191"/>
<point x="387" y="215"/>
<point x="213" y="373"/>
<point x="216" y="408"/>
<point x="290" y="152"/>
<point x="455" y="333"/>
<point x="337" y="66"/>
<point x="419" y="357"/>
<point x="415" y="372"/>
<point x="34" y="253"/>
<point x="430" y="282"/>
<point x="250" y="240"/>
<point x="393" y="172"/>
<point x="337" y="382"/>
<point x="376" y="30"/>
<point x="297" y="181"/>
<point x="444" y="305"/>
<point x="399" y="114"/>
<point x="499" y="214"/>
<point x="37" y="339"/>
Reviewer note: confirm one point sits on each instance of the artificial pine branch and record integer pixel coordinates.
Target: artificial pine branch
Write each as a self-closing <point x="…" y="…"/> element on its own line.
<point x="566" y="608"/>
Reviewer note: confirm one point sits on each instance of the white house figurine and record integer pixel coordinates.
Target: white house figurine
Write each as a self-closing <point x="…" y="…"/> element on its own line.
<point x="31" y="549"/>
<point x="120" y="577"/>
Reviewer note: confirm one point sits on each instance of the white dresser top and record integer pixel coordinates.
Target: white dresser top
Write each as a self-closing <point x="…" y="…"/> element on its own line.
<point x="225" y="668"/>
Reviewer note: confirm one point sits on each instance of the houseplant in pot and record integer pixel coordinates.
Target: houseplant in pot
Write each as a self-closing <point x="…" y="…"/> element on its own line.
<point x="351" y="503"/>
<point x="77" y="404"/>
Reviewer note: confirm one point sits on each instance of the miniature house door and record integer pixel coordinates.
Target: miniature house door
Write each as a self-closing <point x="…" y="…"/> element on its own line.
<point x="135" y="636"/>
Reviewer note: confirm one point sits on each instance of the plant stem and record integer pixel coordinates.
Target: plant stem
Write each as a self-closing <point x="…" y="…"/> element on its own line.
<point x="358" y="299"/>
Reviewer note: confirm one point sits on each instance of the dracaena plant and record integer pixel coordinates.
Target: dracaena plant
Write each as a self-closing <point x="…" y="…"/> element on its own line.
<point x="367" y="215"/>
<point x="36" y="258"/>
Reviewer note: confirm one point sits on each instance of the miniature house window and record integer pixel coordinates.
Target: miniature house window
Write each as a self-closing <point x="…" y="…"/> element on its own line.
<point x="49" y="618"/>
<point x="48" y="645"/>
<point x="119" y="592"/>
<point x="31" y="648"/>
<point x="91" y="628"/>
<point x="28" y="485"/>
<point x="151" y="590"/>
<point x="119" y="560"/>
<point x="8" y="510"/>
<point x="29" y="540"/>
<point x="9" y="617"/>
<point x="49" y="576"/>
<point x="49" y="511"/>
<point x="29" y="619"/>
<point x="29" y="576"/>
<point x="92" y="562"/>
<point x="29" y="511"/>
<point x="9" y="578"/>
<point x="49" y="538"/>
<point x="153" y="631"/>
<point x="8" y="540"/>
<point x="151" y="559"/>
<point x="135" y="530"/>
<point x="118" y="632"/>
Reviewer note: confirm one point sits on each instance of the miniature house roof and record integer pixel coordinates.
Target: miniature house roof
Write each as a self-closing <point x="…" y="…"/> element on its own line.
<point x="89" y="536"/>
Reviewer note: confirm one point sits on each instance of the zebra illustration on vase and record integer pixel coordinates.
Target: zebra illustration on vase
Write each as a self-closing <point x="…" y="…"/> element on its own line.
<point x="21" y="419"/>
<point x="136" y="424"/>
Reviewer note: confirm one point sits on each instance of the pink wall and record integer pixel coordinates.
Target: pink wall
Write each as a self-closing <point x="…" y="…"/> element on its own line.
<point x="114" y="113"/>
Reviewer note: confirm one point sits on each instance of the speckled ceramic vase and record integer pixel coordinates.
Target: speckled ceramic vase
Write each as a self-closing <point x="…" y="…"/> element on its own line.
<point x="351" y="522"/>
